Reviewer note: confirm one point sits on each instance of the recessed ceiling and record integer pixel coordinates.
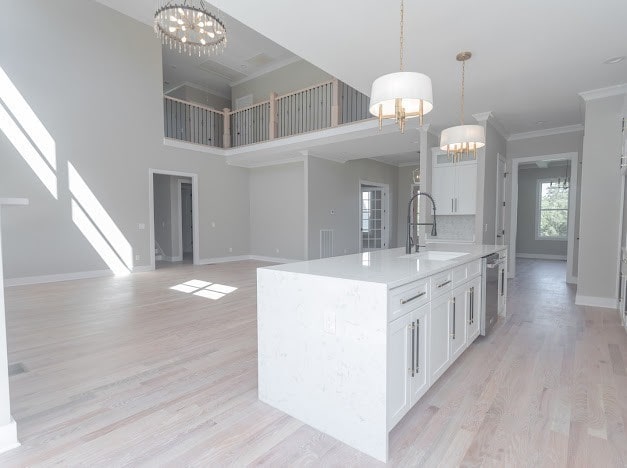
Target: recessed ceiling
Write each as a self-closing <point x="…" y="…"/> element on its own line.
<point x="530" y="58"/>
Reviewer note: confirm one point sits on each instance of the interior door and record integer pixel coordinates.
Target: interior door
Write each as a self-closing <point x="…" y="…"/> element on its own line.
<point x="500" y="201"/>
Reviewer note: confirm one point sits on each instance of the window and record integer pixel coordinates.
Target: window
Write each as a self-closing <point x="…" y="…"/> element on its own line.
<point x="552" y="210"/>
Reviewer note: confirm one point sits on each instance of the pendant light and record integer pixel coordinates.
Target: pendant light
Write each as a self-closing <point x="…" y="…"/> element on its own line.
<point x="401" y="95"/>
<point x="462" y="138"/>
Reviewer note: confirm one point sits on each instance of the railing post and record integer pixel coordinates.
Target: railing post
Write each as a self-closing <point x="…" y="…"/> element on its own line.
<point x="274" y="124"/>
<point x="335" y="104"/>
<point x="226" y="139"/>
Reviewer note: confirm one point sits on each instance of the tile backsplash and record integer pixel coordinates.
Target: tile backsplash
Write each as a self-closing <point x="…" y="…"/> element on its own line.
<point x="456" y="227"/>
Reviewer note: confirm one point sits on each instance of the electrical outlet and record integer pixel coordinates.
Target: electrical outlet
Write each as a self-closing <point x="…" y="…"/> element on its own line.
<point x="137" y="257"/>
<point x="329" y="322"/>
<point x="276" y="250"/>
<point x="486" y="228"/>
<point x="230" y="249"/>
<point x="213" y="224"/>
<point x="332" y="212"/>
<point x="141" y="226"/>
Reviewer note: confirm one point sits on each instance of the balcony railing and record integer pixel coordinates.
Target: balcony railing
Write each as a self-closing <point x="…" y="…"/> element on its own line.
<point x="315" y="108"/>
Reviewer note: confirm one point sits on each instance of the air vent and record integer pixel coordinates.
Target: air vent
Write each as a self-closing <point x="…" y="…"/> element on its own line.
<point x="222" y="71"/>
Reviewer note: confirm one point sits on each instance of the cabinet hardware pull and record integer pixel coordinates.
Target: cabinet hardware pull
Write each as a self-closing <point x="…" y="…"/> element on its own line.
<point x="472" y="305"/>
<point x="503" y="282"/>
<point x="418" y="346"/>
<point x="405" y="301"/>
<point x="411" y="329"/>
<point x="444" y="284"/>
<point x="453" y="334"/>
<point x="452" y="209"/>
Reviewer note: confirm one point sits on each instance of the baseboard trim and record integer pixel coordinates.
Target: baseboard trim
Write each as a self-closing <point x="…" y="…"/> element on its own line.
<point x="142" y="268"/>
<point x="541" y="256"/>
<point x="239" y="258"/>
<point x="261" y="258"/>
<point x="8" y="436"/>
<point x="55" y="278"/>
<point x="594" y="301"/>
<point x="570" y="279"/>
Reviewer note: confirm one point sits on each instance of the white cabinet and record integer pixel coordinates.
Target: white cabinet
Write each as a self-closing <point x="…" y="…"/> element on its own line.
<point x="473" y="315"/>
<point x="458" y="310"/>
<point x="407" y="363"/>
<point x="439" y="331"/>
<point x="454" y="186"/>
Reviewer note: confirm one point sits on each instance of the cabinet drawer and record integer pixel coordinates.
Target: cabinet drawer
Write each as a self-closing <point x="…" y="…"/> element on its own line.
<point x="460" y="275"/>
<point x="474" y="268"/>
<point x="405" y="298"/>
<point x="442" y="283"/>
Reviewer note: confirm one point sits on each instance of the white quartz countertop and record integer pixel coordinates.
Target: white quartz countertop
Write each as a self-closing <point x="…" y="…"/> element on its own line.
<point x="389" y="266"/>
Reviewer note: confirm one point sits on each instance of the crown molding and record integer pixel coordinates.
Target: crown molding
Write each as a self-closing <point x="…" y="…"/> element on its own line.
<point x="489" y="117"/>
<point x="275" y="66"/>
<point x="604" y="92"/>
<point x="199" y="88"/>
<point x="546" y="132"/>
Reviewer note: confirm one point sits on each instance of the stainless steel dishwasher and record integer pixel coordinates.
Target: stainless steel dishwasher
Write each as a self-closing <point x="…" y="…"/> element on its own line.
<point x="493" y="287"/>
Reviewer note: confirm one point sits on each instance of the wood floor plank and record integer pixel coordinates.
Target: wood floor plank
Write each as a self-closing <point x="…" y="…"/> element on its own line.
<point x="128" y="372"/>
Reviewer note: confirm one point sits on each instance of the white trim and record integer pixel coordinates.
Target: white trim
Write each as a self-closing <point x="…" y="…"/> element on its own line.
<point x="594" y="301"/>
<point x="8" y="436"/>
<point x="239" y="258"/>
<point x="142" y="268"/>
<point x="600" y="93"/>
<point x="199" y="88"/>
<point x="151" y="211"/>
<point x="541" y="256"/>
<point x="14" y="201"/>
<point x="572" y="202"/>
<point x="500" y="200"/>
<point x="57" y="277"/>
<point x="179" y="210"/>
<point x="489" y="117"/>
<point x="306" y="208"/>
<point x="275" y="162"/>
<point x="270" y="68"/>
<point x="546" y="132"/>
<point x="538" y="236"/>
<point x="194" y="147"/>
<point x="261" y="258"/>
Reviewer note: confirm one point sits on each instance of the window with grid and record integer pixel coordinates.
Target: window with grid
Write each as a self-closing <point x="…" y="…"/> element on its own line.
<point x="552" y="210"/>
<point x="371" y="218"/>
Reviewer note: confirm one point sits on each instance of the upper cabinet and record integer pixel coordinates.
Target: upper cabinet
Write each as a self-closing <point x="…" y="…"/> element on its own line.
<point x="454" y="185"/>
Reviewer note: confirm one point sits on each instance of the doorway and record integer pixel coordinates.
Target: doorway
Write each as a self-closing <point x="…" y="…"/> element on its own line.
<point x="501" y="173"/>
<point x="173" y="216"/>
<point x="543" y="210"/>
<point x="373" y="216"/>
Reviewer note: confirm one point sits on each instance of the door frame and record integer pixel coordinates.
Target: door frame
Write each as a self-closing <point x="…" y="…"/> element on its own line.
<point x="500" y="157"/>
<point x="151" y="211"/>
<point x="572" y="208"/>
<point x="179" y="201"/>
<point x="386" y="213"/>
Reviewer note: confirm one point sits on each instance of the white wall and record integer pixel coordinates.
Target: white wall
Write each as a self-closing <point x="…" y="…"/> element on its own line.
<point x="292" y="77"/>
<point x="542" y="146"/>
<point x="335" y="187"/>
<point x="278" y="211"/>
<point x="206" y="98"/>
<point x="600" y="202"/>
<point x="526" y="242"/>
<point x="111" y="137"/>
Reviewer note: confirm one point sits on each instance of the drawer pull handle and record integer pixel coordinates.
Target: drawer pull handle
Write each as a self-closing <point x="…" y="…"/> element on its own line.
<point x="405" y="301"/>
<point x="444" y="284"/>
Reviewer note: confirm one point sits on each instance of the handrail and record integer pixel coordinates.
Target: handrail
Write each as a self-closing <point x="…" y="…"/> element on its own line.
<point x="190" y="103"/>
<point x="262" y="103"/>
<point x="309" y="88"/>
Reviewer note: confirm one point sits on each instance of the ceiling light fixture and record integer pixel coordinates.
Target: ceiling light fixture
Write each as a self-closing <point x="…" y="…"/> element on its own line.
<point x="190" y="27"/>
<point x="401" y="95"/>
<point x="462" y="138"/>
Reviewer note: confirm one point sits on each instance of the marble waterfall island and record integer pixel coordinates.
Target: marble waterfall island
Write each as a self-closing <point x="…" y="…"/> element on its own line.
<point x="349" y="344"/>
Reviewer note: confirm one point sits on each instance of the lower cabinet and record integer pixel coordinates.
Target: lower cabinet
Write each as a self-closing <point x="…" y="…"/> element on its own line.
<point x="458" y="309"/>
<point x="407" y="363"/>
<point x="473" y="316"/>
<point x="440" y="329"/>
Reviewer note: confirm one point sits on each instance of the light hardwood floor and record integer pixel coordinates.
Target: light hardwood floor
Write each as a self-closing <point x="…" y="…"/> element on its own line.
<point x="125" y="371"/>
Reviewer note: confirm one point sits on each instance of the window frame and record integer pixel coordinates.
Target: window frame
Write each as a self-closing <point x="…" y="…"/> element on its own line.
<point x="539" y="210"/>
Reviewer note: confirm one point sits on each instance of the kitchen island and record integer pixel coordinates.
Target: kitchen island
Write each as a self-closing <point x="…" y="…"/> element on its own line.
<point x="349" y="344"/>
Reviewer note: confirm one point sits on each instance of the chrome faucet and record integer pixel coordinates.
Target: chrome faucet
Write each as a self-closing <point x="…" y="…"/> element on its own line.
<point x="434" y="231"/>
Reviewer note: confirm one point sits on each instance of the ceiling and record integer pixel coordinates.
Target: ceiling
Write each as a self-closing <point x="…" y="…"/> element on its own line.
<point x="247" y="55"/>
<point x="530" y="58"/>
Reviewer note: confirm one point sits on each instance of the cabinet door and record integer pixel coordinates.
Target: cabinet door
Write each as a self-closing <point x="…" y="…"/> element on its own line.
<point x="400" y="334"/>
<point x="473" y="318"/>
<point x="466" y="189"/>
<point x="458" y="311"/>
<point x="443" y="189"/>
<point x="439" y="335"/>
<point x="502" y="289"/>
<point x="419" y="382"/>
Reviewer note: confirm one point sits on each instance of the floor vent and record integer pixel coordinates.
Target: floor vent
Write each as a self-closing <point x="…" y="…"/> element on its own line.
<point x="326" y="243"/>
<point x="15" y="369"/>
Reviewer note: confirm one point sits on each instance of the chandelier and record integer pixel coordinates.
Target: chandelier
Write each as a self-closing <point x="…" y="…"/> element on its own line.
<point x="189" y="27"/>
<point x="462" y="138"/>
<point x="401" y="95"/>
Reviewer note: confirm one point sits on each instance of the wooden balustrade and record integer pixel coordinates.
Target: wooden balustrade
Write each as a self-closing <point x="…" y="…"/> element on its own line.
<point x="317" y="107"/>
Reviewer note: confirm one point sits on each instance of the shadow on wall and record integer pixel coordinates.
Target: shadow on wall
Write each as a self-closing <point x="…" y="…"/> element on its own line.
<point x="34" y="143"/>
